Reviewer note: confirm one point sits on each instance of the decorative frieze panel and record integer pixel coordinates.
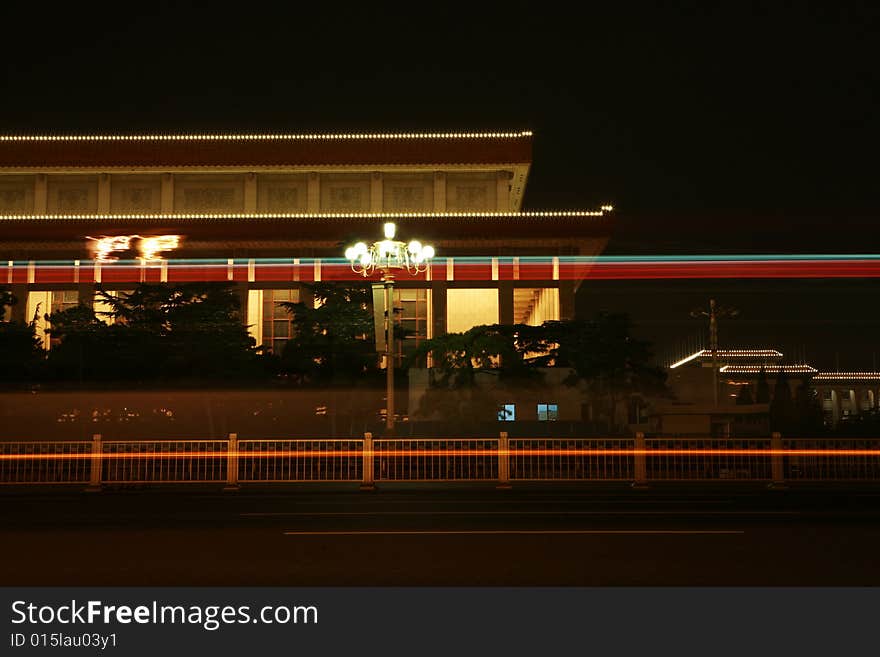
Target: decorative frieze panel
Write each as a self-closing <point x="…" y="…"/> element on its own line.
<point x="16" y="194"/>
<point x="410" y="193"/>
<point x="475" y="192"/>
<point x="282" y="193"/>
<point x="345" y="193"/>
<point x="73" y="194"/>
<point x="135" y="194"/>
<point x="208" y="193"/>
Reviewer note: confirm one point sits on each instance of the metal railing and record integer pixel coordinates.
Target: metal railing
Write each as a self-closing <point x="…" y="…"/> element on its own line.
<point x="164" y="461"/>
<point x="832" y="460"/>
<point x="300" y="460"/>
<point x="417" y="459"/>
<point x="708" y="459"/>
<point x="571" y="459"/>
<point x="504" y="460"/>
<point x="45" y="462"/>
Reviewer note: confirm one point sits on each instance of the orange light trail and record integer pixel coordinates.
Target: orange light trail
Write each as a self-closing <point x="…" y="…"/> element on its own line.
<point x="411" y="453"/>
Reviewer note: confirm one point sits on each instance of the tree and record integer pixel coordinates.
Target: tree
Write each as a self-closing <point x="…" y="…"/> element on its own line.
<point x="192" y="330"/>
<point x="83" y="348"/>
<point x="808" y="411"/>
<point x="6" y="300"/>
<point x="781" y="407"/>
<point x="21" y="352"/>
<point x="176" y="332"/>
<point x="607" y="360"/>
<point x="745" y="395"/>
<point x="762" y="388"/>
<point x="333" y="338"/>
<point x="465" y="363"/>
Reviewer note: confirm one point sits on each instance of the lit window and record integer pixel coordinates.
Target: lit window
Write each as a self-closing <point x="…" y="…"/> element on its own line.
<point x="64" y="300"/>
<point x="277" y="322"/>
<point x="507" y="413"/>
<point x="412" y="317"/>
<point x="548" y="412"/>
<point x="59" y="302"/>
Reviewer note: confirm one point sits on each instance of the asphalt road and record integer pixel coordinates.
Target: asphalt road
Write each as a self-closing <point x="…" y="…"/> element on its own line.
<point x="528" y="536"/>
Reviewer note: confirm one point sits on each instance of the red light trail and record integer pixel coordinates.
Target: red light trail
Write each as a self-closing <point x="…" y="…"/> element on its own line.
<point x="309" y="270"/>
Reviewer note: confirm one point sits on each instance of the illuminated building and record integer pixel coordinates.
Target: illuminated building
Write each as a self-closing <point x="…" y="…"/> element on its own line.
<point x="270" y="212"/>
<point x="842" y="394"/>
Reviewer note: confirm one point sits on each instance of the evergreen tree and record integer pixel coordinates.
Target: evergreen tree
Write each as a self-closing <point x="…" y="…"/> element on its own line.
<point x="762" y="388"/>
<point x="20" y="348"/>
<point x="745" y="395"/>
<point x="160" y="332"/>
<point x="333" y="338"/>
<point x="782" y="406"/>
<point x="808" y="411"/>
<point x="602" y="354"/>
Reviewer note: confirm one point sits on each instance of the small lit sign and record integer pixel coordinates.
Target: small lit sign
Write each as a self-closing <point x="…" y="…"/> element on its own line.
<point x="149" y="247"/>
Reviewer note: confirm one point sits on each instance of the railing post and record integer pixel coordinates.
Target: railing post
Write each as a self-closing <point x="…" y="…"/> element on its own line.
<point x="367" y="481"/>
<point x="97" y="464"/>
<point x="777" y="471"/>
<point x="640" y="470"/>
<point x="503" y="461"/>
<point x="232" y="464"/>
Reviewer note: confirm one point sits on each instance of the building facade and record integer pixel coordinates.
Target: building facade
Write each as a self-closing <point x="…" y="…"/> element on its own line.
<point x="271" y="213"/>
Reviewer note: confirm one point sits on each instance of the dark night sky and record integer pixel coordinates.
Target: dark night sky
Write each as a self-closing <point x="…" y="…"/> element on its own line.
<point x="711" y="130"/>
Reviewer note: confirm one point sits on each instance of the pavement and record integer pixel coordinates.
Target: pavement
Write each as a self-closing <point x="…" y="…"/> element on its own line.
<point x="461" y="535"/>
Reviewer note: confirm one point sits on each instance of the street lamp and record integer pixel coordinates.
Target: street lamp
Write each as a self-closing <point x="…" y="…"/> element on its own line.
<point x="386" y="257"/>
<point x="713" y="314"/>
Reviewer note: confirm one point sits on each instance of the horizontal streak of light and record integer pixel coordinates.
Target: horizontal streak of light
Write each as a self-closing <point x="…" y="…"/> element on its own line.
<point x="528" y="532"/>
<point x="489" y="512"/>
<point x="466" y="269"/>
<point x="449" y="453"/>
<point x="582" y="260"/>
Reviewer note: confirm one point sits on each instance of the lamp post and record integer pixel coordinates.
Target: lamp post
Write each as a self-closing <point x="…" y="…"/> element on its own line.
<point x="713" y="314"/>
<point x="387" y="256"/>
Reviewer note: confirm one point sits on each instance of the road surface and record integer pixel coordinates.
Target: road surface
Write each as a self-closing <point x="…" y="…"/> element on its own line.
<point x="463" y="535"/>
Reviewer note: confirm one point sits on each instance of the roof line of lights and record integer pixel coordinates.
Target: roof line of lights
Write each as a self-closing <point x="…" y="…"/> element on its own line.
<point x="729" y="353"/>
<point x="274" y="136"/>
<point x="311" y="215"/>
<point x="745" y="369"/>
<point x="847" y="375"/>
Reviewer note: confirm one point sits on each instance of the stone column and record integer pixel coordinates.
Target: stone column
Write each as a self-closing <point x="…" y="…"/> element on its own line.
<point x="505" y="303"/>
<point x="167" y="193"/>
<point x="250" y="193"/>
<point x="439" y="191"/>
<point x="18" y="312"/>
<point x="104" y="193"/>
<point x="377" y="190"/>
<point x="835" y="407"/>
<point x="41" y="194"/>
<point x="314" y="192"/>
<point x="566" y="299"/>
<point x="503" y="191"/>
<point x="438" y="307"/>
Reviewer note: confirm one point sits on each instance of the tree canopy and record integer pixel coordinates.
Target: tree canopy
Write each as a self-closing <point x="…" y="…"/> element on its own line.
<point x="604" y="358"/>
<point x="21" y="351"/>
<point x="333" y="337"/>
<point x="180" y="332"/>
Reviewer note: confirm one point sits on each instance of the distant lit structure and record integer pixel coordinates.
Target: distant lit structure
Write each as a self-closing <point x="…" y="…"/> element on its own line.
<point x="842" y="394"/>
